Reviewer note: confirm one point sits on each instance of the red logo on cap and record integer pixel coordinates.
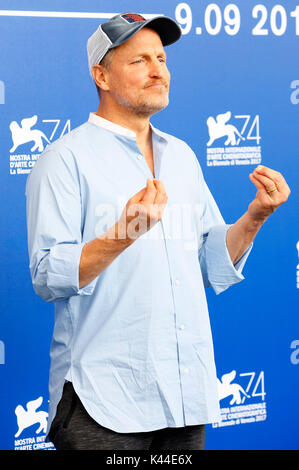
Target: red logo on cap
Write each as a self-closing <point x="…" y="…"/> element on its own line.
<point x="132" y="17"/>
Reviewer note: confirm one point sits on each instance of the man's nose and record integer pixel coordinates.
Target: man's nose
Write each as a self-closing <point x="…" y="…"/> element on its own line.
<point x="155" y="68"/>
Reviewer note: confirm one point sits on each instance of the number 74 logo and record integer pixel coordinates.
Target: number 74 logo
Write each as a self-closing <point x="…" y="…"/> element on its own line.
<point x="254" y="128"/>
<point x="220" y="127"/>
<point x="255" y="387"/>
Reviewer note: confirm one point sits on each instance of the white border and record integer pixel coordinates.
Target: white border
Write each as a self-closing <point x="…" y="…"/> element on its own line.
<point x="66" y="14"/>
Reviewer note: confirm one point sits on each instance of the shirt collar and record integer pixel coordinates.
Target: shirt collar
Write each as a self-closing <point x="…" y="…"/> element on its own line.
<point x="111" y="126"/>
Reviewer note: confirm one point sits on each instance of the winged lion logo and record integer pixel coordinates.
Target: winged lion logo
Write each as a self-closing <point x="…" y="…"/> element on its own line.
<point x="24" y="134"/>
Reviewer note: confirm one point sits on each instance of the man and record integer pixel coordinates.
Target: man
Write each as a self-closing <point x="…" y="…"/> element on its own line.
<point x="132" y="363"/>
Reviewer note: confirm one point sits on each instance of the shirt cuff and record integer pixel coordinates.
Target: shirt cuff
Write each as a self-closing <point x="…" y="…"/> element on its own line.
<point x="221" y="271"/>
<point x="63" y="271"/>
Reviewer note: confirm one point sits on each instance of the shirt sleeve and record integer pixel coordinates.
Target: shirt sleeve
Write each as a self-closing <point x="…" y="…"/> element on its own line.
<point x="217" y="268"/>
<point x="54" y="220"/>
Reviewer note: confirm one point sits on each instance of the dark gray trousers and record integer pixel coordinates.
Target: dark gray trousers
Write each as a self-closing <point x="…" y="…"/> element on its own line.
<point x="73" y="429"/>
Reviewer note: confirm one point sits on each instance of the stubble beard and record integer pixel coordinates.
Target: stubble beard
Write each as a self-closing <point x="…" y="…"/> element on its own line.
<point x="144" y="107"/>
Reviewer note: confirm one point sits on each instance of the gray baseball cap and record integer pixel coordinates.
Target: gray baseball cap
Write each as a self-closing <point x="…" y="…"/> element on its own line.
<point x="122" y="27"/>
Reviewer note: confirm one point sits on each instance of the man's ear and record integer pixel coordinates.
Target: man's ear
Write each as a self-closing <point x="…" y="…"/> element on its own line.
<point x="100" y="76"/>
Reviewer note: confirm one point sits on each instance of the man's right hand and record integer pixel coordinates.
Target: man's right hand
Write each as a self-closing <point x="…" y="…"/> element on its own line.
<point x="142" y="211"/>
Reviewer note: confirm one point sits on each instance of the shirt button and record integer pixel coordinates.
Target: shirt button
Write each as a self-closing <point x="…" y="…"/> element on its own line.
<point x="177" y="282"/>
<point x="186" y="370"/>
<point x="139" y="157"/>
<point x="182" y="327"/>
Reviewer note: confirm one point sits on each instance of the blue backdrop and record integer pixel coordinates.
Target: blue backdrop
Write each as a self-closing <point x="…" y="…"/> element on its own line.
<point x="235" y="100"/>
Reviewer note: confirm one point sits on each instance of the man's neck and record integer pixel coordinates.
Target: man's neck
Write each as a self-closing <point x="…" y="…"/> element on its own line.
<point x="138" y="124"/>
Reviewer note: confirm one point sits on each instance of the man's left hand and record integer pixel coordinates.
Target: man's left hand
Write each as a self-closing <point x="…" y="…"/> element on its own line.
<point x="272" y="191"/>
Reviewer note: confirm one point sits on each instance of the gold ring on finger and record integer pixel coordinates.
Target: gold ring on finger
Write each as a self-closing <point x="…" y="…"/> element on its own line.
<point x="269" y="191"/>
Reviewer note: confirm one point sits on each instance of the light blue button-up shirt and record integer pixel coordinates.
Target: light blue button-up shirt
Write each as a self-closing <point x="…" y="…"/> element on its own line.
<point x="136" y="341"/>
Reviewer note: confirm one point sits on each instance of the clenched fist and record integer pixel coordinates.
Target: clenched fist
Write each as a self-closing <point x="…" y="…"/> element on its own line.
<point x="272" y="191"/>
<point x="142" y="211"/>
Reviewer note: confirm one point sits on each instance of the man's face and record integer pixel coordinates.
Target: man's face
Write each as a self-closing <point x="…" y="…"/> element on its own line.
<point x="138" y="77"/>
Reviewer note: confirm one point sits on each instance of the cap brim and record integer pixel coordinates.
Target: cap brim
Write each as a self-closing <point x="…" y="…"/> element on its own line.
<point x="166" y="27"/>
